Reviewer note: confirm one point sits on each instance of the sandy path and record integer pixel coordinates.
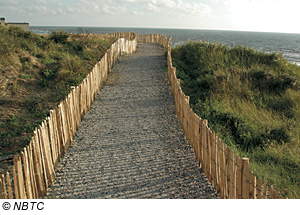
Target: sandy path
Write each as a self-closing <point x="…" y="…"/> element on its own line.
<point x="130" y="144"/>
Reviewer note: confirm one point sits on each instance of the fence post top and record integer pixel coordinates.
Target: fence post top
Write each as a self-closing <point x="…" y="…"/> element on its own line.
<point x="245" y="160"/>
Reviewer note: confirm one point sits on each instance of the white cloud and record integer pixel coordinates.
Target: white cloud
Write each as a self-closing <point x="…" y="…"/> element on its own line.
<point x="179" y="7"/>
<point x="58" y="11"/>
<point x="137" y="13"/>
<point x="260" y="15"/>
<point x="97" y="7"/>
<point x="193" y="8"/>
<point x="12" y="9"/>
<point x="39" y="9"/>
<point x="40" y="1"/>
<point x="108" y="7"/>
<point x="13" y="2"/>
<point x="114" y="10"/>
<point x="152" y="7"/>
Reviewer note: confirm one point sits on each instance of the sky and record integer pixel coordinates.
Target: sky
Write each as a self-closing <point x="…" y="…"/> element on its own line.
<point x="241" y="15"/>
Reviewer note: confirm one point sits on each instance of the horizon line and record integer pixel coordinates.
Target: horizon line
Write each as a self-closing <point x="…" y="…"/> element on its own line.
<point x="167" y="28"/>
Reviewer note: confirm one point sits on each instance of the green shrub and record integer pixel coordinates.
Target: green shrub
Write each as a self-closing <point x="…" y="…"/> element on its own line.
<point x="49" y="74"/>
<point x="76" y="46"/>
<point x="60" y="37"/>
<point x="251" y="100"/>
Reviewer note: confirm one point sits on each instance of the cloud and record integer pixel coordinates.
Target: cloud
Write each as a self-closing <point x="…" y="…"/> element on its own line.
<point x="113" y="10"/>
<point x="152" y="7"/>
<point x="13" y="2"/>
<point x="109" y="7"/>
<point x="12" y="9"/>
<point x="193" y="8"/>
<point x="58" y="11"/>
<point x="179" y="7"/>
<point x="137" y="13"/>
<point x="40" y="1"/>
<point x="98" y="7"/>
<point x="155" y="5"/>
<point x="38" y="10"/>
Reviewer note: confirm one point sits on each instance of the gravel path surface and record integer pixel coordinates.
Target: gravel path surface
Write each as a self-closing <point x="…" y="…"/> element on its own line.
<point x="130" y="144"/>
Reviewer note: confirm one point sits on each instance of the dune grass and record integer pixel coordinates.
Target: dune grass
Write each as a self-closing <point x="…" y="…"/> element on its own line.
<point x="37" y="72"/>
<point x="251" y="100"/>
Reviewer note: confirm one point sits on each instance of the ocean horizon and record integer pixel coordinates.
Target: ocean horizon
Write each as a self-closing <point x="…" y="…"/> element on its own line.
<point x="287" y="44"/>
<point x="50" y="26"/>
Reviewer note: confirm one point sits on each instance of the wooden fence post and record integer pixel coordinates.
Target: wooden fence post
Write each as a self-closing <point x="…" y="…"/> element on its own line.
<point x="52" y="141"/>
<point x="232" y="170"/>
<point x="272" y="193"/>
<point x="252" y="194"/>
<point x="9" y="189"/>
<point x="47" y="153"/>
<point x="67" y="127"/>
<point x="19" y="182"/>
<point x="26" y="174"/>
<point x="43" y="159"/>
<point x="200" y="153"/>
<point x="223" y="166"/>
<point x="68" y="120"/>
<point x="64" y="126"/>
<point x="245" y="167"/>
<point x="203" y="146"/>
<point x="259" y="188"/>
<point x="190" y="126"/>
<point x="209" y="155"/>
<point x="15" y="181"/>
<point x="77" y="96"/>
<point x="265" y="190"/>
<point x="74" y="109"/>
<point x="213" y="158"/>
<point x="239" y="164"/>
<point x="3" y="194"/>
<point x="38" y="166"/>
<point x="88" y="92"/>
<point x="32" y="171"/>
<point x="197" y="137"/>
<point x="70" y="117"/>
<point x="227" y="172"/>
<point x="60" y="132"/>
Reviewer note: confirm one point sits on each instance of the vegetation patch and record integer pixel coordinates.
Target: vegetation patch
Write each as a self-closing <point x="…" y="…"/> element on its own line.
<point x="36" y="74"/>
<point x="251" y="100"/>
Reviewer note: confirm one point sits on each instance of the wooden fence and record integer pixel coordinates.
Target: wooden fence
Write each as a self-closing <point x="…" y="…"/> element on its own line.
<point x="33" y="169"/>
<point x="227" y="172"/>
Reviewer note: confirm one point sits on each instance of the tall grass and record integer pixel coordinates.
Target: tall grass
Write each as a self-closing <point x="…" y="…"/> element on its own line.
<point x="251" y="99"/>
<point x="40" y="70"/>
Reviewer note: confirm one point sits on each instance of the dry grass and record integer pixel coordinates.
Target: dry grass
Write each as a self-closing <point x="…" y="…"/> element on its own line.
<point x="36" y="73"/>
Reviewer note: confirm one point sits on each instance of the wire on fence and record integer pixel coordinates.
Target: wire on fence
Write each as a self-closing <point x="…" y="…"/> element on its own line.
<point x="64" y="118"/>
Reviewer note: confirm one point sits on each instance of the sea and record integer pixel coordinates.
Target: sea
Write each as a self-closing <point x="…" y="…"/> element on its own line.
<point x="284" y="43"/>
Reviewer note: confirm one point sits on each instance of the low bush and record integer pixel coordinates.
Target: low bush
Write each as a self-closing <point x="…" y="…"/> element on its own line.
<point x="59" y="37"/>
